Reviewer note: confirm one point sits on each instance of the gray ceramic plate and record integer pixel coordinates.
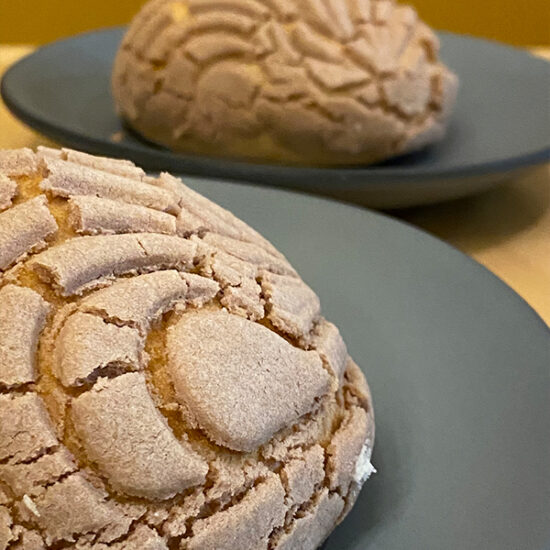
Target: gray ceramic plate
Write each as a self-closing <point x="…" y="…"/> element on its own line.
<point x="501" y="125"/>
<point x="459" y="368"/>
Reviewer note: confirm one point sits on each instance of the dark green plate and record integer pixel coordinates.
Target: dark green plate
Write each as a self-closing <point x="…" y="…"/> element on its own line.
<point x="500" y="128"/>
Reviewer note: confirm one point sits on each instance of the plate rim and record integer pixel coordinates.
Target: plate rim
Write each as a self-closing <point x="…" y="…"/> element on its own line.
<point x="539" y="331"/>
<point x="387" y="218"/>
<point x="371" y="175"/>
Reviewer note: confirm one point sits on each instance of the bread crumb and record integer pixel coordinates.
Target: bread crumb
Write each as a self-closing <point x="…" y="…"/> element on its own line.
<point x="27" y="501"/>
<point x="117" y="137"/>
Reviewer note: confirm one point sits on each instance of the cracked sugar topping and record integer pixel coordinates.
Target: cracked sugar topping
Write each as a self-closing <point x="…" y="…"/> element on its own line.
<point x="167" y="380"/>
<point x="294" y="81"/>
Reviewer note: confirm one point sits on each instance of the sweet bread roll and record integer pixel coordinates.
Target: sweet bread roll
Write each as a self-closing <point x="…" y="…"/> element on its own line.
<point x="167" y="380"/>
<point x="317" y="82"/>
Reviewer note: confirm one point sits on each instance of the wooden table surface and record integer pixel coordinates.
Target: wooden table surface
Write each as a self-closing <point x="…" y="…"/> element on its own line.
<point x="506" y="229"/>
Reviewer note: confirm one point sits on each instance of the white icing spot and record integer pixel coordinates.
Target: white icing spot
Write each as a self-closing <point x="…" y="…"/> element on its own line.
<point x="363" y="467"/>
<point x="31" y="505"/>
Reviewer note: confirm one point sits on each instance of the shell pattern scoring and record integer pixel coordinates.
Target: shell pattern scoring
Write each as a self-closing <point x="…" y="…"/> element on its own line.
<point x="167" y="380"/>
<point x="294" y="81"/>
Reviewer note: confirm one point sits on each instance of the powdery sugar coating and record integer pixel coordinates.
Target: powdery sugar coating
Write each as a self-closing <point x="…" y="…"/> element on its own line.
<point x="22" y="317"/>
<point x="92" y="215"/>
<point x="68" y="179"/>
<point x="87" y="262"/>
<point x="8" y="190"/>
<point x="241" y="381"/>
<point x="295" y="81"/>
<point x="131" y="443"/>
<point x="24" y="229"/>
<point x="167" y="380"/>
<point x="87" y="346"/>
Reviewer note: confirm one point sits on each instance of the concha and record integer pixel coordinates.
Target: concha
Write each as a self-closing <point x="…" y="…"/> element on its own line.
<point x="318" y="82"/>
<point x="167" y="380"/>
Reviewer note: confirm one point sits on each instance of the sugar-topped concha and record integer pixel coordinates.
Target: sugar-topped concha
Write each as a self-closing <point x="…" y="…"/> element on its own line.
<point x="167" y="380"/>
<point x="318" y="82"/>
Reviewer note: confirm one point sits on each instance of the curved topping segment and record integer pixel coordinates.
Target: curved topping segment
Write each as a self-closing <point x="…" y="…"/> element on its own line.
<point x="24" y="229"/>
<point x="381" y="46"/>
<point x="251" y="253"/>
<point x="244" y="300"/>
<point x="247" y="524"/>
<point x="180" y="78"/>
<point x="216" y="21"/>
<point x="292" y="306"/>
<point x="330" y="16"/>
<point x="18" y="162"/>
<point x="336" y="77"/>
<point x="25" y="431"/>
<point x="87" y="346"/>
<point x="303" y="475"/>
<point x="135" y="73"/>
<point x="188" y="224"/>
<point x="206" y="48"/>
<point x="200" y="289"/>
<point x="125" y="435"/>
<point x="383" y="10"/>
<point x="23" y="315"/>
<point x="119" y="167"/>
<point x="91" y="215"/>
<point x="8" y="190"/>
<point x="409" y="91"/>
<point x="433" y="128"/>
<point x="281" y="41"/>
<point x="241" y="381"/>
<point x="309" y="43"/>
<point x="329" y="344"/>
<point x="314" y="525"/>
<point x="44" y="153"/>
<point x="28" y="478"/>
<point x="248" y="7"/>
<point x="361" y="10"/>
<point x="151" y="28"/>
<point x="357" y="386"/>
<point x="241" y="292"/>
<point x="208" y="215"/>
<point x="226" y="269"/>
<point x="346" y="449"/>
<point x="86" y="262"/>
<point x="139" y="300"/>
<point x="67" y="179"/>
<point x="75" y="507"/>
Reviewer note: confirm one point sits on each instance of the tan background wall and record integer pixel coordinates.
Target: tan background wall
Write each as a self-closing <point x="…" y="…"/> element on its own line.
<point x="523" y="22"/>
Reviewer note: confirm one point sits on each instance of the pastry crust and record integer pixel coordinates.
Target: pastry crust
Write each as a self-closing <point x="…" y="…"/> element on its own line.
<point x="319" y="82"/>
<point x="158" y="390"/>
